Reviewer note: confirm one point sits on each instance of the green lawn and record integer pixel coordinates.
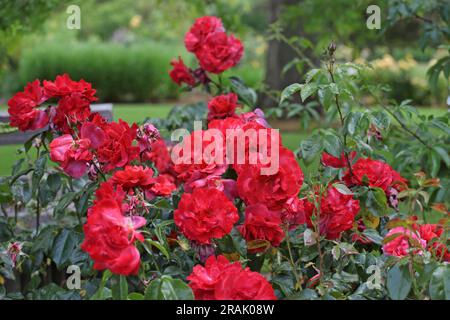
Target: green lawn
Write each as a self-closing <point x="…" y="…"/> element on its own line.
<point x="138" y="112"/>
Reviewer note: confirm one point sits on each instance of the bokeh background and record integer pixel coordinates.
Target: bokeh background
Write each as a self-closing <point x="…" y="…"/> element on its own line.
<point x="124" y="48"/>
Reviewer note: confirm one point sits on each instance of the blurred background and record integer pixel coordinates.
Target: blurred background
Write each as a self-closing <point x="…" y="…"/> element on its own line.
<point x="124" y="48"/>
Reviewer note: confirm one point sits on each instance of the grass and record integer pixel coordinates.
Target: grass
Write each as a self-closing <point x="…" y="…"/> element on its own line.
<point x="138" y="112"/>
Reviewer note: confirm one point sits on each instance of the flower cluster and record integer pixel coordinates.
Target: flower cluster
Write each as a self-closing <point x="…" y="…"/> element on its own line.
<point x="215" y="50"/>
<point x="221" y="280"/>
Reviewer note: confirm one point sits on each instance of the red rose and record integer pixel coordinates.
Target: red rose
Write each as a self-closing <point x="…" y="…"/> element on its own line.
<point x="330" y="161"/>
<point x="109" y="238"/>
<point x="431" y="233"/>
<point x="256" y="115"/>
<point x="221" y="280"/>
<point x="133" y="176"/>
<point x="337" y="213"/>
<point x="118" y="149"/>
<point x="160" y="156"/>
<point x="378" y="173"/>
<point x="272" y="190"/>
<point x="72" y="109"/>
<point x="199" y="164"/>
<point x="262" y="224"/>
<point x="222" y="106"/>
<point x="180" y="73"/>
<point x="227" y="186"/>
<point x="22" y="108"/>
<point x="219" y="52"/>
<point x="64" y="86"/>
<point x="205" y="214"/>
<point x="200" y="30"/>
<point x="293" y="212"/>
<point x="402" y="242"/>
<point x="72" y="155"/>
<point x="163" y="185"/>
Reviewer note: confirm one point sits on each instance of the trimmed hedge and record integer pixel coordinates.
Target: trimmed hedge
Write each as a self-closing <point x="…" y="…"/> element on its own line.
<point x="118" y="72"/>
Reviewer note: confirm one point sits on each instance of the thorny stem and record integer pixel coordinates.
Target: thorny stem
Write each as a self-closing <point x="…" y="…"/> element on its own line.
<point x="291" y="259"/>
<point x="330" y="69"/>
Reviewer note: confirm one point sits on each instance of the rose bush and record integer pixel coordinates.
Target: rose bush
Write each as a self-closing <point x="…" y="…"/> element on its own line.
<point x="334" y="221"/>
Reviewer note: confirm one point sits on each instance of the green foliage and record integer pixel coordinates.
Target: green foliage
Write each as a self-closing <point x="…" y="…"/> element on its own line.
<point x="119" y="73"/>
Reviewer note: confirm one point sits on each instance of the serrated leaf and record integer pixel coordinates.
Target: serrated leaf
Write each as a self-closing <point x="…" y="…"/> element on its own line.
<point x="289" y="91"/>
<point x="167" y="288"/>
<point x="398" y="282"/>
<point x="307" y="90"/>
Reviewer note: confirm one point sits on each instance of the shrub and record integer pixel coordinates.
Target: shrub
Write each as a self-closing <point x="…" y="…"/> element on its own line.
<point x="120" y="73"/>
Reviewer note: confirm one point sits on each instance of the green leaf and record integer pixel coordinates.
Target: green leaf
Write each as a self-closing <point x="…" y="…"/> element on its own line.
<point x="376" y="202"/>
<point x="39" y="170"/>
<point x="311" y="74"/>
<point x="54" y="181"/>
<point x="342" y="188"/>
<point x="440" y="283"/>
<point x="246" y="94"/>
<point x="311" y="147"/>
<point x="44" y="241"/>
<point x="289" y="91"/>
<point x="398" y="282"/>
<point x="307" y="90"/>
<point x="167" y="288"/>
<point x="102" y="292"/>
<point x="135" y="296"/>
<point x="157" y="245"/>
<point x="64" y="202"/>
<point x="332" y="145"/>
<point x="444" y="155"/>
<point x="351" y="122"/>
<point x="119" y="287"/>
<point x="380" y="119"/>
<point x="63" y="246"/>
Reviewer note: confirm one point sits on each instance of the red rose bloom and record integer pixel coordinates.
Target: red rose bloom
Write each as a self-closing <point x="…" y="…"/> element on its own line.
<point x="272" y="190"/>
<point x="431" y="233"/>
<point x="72" y="155"/>
<point x="180" y="73"/>
<point x="262" y="224"/>
<point x="200" y="30"/>
<point x="199" y="164"/>
<point x="109" y="238"/>
<point x="205" y="214"/>
<point x="118" y="149"/>
<point x="221" y="280"/>
<point x="404" y="240"/>
<point x="163" y="185"/>
<point x="64" y="86"/>
<point x="378" y="173"/>
<point x="71" y="110"/>
<point x="222" y="106"/>
<point x="330" y="161"/>
<point x="293" y="212"/>
<point x="22" y="108"/>
<point x="219" y="52"/>
<point x="160" y="156"/>
<point x="337" y="213"/>
<point x="133" y="176"/>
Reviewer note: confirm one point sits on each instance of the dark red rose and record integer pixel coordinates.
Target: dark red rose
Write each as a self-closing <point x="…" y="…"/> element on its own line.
<point x="227" y="186"/>
<point x="221" y="280"/>
<point x="293" y="212"/>
<point x="160" y="156"/>
<point x="330" y="161"/>
<point x="222" y="106"/>
<point x="64" y="86"/>
<point x="72" y="109"/>
<point x="272" y="190"/>
<point x="133" y="176"/>
<point x="118" y="149"/>
<point x="200" y="30"/>
<point x="337" y="213"/>
<point x="72" y="155"/>
<point x="219" y="52"/>
<point x="205" y="214"/>
<point x="110" y="236"/>
<point x="377" y="173"/>
<point x="262" y="224"/>
<point x="180" y="73"/>
<point x="200" y="163"/>
<point x="22" y="108"/>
